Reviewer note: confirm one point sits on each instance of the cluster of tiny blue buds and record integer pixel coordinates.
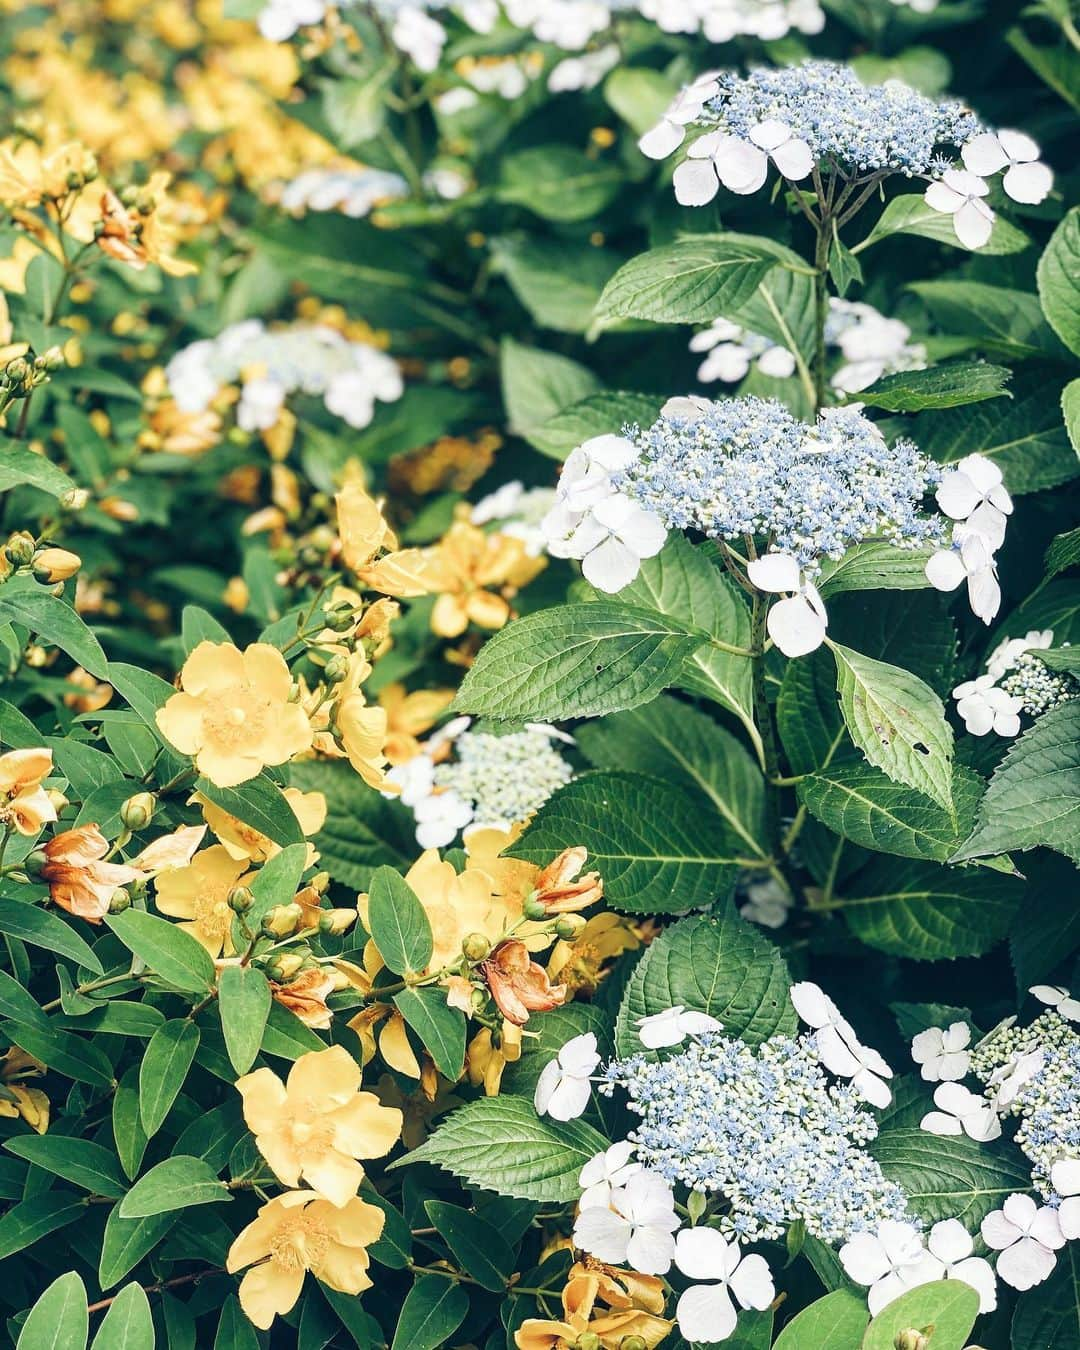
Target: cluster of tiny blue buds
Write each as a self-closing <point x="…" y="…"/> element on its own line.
<point x="505" y="778"/>
<point x="1040" y="688"/>
<point x="1048" y="1104"/>
<point x="858" y="129"/>
<point x="746" y="466"/>
<point x="766" y="1129"/>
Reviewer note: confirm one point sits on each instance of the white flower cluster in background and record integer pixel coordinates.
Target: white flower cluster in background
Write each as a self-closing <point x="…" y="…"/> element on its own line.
<point x="820" y="114"/>
<point x="272" y="363"/>
<point x="1016" y="681"/>
<point x="764" y="1139"/>
<point x="972" y="494"/>
<point x="355" y="192"/>
<point x="518" y="512"/>
<point x="870" y="344"/>
<point x="722" y="20"/>
<point x="464" y="779"/>
<point x="1030" y="1074"/>
<point x="747" y="467"/>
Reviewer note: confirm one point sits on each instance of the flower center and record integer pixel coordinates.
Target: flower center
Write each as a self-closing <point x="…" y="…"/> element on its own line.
<point x="237" y="718"/>
<point x="300" y="1244"/>
<point x="315" y="1136"/>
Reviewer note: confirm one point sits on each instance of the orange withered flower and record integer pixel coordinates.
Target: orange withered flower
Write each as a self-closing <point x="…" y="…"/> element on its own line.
<point x="559" y="888"/>
<point x="518" y="985"/>
<point x="306" y="996"/>
<point x="78" y="878"/>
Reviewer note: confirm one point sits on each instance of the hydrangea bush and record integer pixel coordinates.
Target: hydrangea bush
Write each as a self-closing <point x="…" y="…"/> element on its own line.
<point x="539" y="696"/>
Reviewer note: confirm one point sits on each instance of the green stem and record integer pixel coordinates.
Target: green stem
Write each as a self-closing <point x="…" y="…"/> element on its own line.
<point x="821" y="308"/>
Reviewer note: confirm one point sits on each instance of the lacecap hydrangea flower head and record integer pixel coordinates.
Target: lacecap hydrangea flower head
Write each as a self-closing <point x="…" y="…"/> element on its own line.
<point x="818" y="118"/>
<point x="747" y="470"/>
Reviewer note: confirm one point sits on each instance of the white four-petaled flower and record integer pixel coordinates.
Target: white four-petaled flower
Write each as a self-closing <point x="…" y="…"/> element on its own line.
<point x="670" y="132"/>
<point x="1056" y="996"/>
<point x="740" y="165"/>
<point x="984" y="707"/>
<point x="890" y="1261"/>
<point x="672" y="1026"/>
<point x="1026" y="178"/>
<point x="606" y="1171"/>
<point x="707" y="1312"/>
<point x="1027" y="1236"/>
<point x="942" y="1055"/>
<point x="797" y="623"/>
<point x="563" y="1088"/>
<point x="959" y="193"/>
<point x="637" y="1229"/>
<point x="961" y="1111"/>
<point x="1065" y="1179"/>
<point x="840" y="1049"/>
<point x="951" y="1245"/>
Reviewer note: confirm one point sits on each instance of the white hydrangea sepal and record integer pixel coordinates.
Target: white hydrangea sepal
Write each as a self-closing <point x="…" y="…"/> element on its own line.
<point x="798" y="623"/>
<point x="1026" y="179"/>
<point x="959" y="193"/>
<point x="564" y="1087"/>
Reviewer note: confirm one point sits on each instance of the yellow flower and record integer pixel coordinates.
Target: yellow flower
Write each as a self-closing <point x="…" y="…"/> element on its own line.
<point x="199" y="893"/>
<point x="361" y="526"/>
<point x="579" y="963"/>
<point x="297" y="1232"/>
<point x="55" y="564"/>
<point x="418" y="1107"/>
<point x="15" y="1100"/>
<point x="244" y="842"/>
<point x="318" y="1124"/>
<point x="234" y="713"/>
<point x="28" y="173"/>
<point x="409" y="716"/>
<point x="636" y="1300"/>
<point x="457" y="905"/>
<point x="466" y="568"/>
<point x="13" y="268"/>
<point x="24" y="803"/>
<point x="362" y="729"/>
<point x="485" y="1061"/>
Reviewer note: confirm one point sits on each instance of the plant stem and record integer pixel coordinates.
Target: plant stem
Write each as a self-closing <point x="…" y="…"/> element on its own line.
<point x="162" y="1285"/>
<point x="821" y="307"/>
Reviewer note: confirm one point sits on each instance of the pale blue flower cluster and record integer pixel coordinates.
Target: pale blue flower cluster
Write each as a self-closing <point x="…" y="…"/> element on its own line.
<point x="764" y="1127"/>
<point x="504" y="778"/>
<point x="748" y="466"/>
<point x="856" y="128"/>
<point x="1047" y="1103"/>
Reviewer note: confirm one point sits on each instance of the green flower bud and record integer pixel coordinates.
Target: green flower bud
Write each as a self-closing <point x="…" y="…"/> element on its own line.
<point x="695" y="1205"/>
<point x="138" y="811"/>
<point x="119" y="901"/>
<point x="336" y="669"/>
<point x="282" y="921"/>
<point x="910" y="1340"/>
<point x="569" y="926"/>
<point x="240" y="899"/>
<point x="533" y="909"/>
<point x="20" y="549"/>
<point x="476" y="947"/>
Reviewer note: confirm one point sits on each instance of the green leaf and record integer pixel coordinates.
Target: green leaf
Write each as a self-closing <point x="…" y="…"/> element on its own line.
<point x="440" y="1027"/>
<point x="1055" y="64"/>
<point x="1034" y="795"/>
<point x="949" y="1306"/>
<point x="128" y="1133"/>
<point x="537" y="384"/>
<point x="54" y="621"/>
<point x="558" y="182"/>
<point x="1070" y="410"/>
<point x="259" y="803"/>
<point x="128" y="1323"/>
<point x="165" y="1066"/>
<point x="558" y="282"/>
<point x="31" y="1220"/>
<point x="672" y="740"/>
<point x="595" y="415"/>
<point x="844" y="268"/>
<point x="398" y="923"/>
<point x="998" y="319"/>
<point x="127" y="1241"/>
<point x="244" y="1003"/>
<point x="363" y="830"/>
<point x="1061" y="658"/>
<point x="654" y="850"/>
<point x="165" y="949"/>
<point x="576" y="661"/>
<point x="433" y="1310"/>
<point x="691" y="281"/>
<point x="72" y="1056"/>
<point x="862" y="804"/>
<point x="286" y="1036"/>
<point x="925" y="912"/>
<point x="19" y="465"/>
<point x="639" y="96"/>
<point x="1058" y="277"/>
<point x="909" y="214"/>
<point x="682" y="583"/>
<point x="875" y="565"/>
<point x="944" y="386"/>
<point x="18" y="1004"/>
<point x="143" y="690"/>
<point x="897" y="721"/>
<point x="476" y="1245"/>
<point x="951" y="1178"/>
<point x="835" y="1322"/>
<point x="59" y="1320"/>
<point x="171" y="1185"/>
<point x="1048" y="1316"/>
<point x="76" y="1160"/>
<point x="234" y="1331"/>
<point x="24" y="921"/>
<point x="721" y="966"/>
<point x="1024" y="437"/>
<point x="500" y="1143"/>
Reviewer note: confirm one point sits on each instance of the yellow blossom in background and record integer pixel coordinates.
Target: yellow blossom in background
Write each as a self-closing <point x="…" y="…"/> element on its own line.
<point x="24" y="803"/>
<point x="318" y="1124"/>
<point x="30" y="174"/>
<point x="13" y="277"/>
<point x="233" y="714"/>
<point x="295" y="1233"/>
<point x="467" y="569"/>
<point x="244" y="842"/>
<point x="633" y="1314"/>
<point x="419" y="1107"/>
<point x="452" y="463"/>
<point x="198" y="895"/>
<point x="17" y="1100"/>
<point x="580" y="963"/>
<point x="87" y="693"/>
<point x="362" y="527"/>
<point x="362" y="728"/>
<point x="409" y="716"/>
<point x="176" y="432"/>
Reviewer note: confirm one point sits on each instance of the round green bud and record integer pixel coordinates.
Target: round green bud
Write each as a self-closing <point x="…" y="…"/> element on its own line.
<point x="119" y="901"/>
<point x="240" y="899"/>
<point x="336" y="669"/>
<point x="910" y="1340"/>
<point x="569" y="926"/>
<point x="20" y="549"/>
<point x="533" y="909"/>
<point x="476" y="947"/>
<point x="138" y="811"/>
<point x="633" y="1343"/>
